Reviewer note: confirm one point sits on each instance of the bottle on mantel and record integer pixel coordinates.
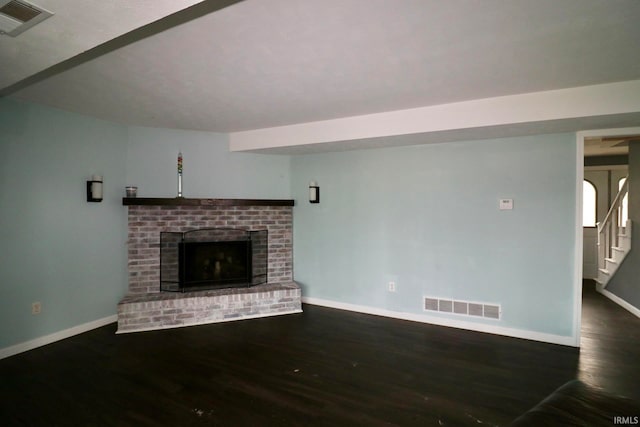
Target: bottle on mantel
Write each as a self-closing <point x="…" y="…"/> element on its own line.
<point x="180" y="174"/>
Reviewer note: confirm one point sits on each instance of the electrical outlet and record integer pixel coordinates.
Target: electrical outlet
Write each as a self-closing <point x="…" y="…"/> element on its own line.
<point x="36" y="308"/>
<point x="392" y="286"/>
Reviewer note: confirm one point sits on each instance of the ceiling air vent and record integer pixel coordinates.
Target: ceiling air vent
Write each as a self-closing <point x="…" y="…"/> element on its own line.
<point x="18" y="16"/>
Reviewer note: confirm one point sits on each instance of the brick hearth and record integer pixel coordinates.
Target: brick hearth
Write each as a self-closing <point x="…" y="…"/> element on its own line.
<point x="146" y="308"/>
<point x="163" y="310"/>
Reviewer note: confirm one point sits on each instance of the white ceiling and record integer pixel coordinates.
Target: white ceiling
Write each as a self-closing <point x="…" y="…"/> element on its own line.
<point x="259" y="64"/>
<point x="610" y="146"/>
<point x="78" y="25"/>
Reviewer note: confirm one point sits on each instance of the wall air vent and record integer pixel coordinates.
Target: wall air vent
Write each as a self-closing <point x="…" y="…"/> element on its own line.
<point x="18" y="16"/>
<point x="464" y="308"/>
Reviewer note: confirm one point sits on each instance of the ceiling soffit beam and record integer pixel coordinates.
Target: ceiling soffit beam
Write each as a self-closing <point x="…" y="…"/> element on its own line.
<point x="581" y="102"/>
<point x="185" y="15"/>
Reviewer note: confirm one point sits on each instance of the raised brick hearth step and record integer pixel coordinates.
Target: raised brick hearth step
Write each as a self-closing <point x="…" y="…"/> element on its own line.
<point x="162" y="310"/>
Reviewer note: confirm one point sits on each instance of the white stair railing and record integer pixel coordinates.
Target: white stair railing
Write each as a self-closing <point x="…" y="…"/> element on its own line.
<point x="614" y="237"/>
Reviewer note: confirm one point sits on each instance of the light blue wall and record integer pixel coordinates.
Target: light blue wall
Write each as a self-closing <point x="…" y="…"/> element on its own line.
<point x="71" y="255"/>
<point x="210" y="170"/>
<point x="427" y="218"/>
<point x="54" y="246"/>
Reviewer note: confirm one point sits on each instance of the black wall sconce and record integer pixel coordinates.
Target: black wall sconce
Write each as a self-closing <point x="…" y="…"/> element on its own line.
<point x="314" y="192"/>
<point x="94" y="189"/>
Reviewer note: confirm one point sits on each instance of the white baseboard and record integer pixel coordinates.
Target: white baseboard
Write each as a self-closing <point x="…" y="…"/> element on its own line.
<point x="453" y="323"/>
<point x="622" y="303"/>
<point x="56" y="336"/>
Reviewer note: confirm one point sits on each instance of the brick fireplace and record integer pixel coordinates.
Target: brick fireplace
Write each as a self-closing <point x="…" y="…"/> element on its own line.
<point x="146" y="308"/>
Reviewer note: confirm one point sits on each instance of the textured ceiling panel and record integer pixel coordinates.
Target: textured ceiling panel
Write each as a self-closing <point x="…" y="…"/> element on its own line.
<point x="261" y="64"/>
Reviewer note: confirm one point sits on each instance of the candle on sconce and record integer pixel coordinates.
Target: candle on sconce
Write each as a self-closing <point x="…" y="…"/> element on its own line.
<point x="314" y="192"/>
<point x="96" y="187"/>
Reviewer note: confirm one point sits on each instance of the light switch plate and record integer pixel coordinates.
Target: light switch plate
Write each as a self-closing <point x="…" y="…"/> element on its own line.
<point x="506" y="204"/>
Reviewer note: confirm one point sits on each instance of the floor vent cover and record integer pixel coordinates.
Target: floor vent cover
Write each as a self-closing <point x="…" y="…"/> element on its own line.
<point x="464" y="308"/>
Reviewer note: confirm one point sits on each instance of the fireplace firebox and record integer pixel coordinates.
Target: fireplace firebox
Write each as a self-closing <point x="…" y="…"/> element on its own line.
<point x="212" y="258"/>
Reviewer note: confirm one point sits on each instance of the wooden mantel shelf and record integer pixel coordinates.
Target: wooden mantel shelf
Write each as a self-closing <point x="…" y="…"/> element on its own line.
<point x="181" y="201"/>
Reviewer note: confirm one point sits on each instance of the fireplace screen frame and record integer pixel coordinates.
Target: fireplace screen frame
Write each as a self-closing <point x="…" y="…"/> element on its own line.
<point x="175" y="246"/>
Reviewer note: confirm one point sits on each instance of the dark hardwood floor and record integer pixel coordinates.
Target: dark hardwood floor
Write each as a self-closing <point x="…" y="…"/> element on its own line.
<point x="323" y="367"/>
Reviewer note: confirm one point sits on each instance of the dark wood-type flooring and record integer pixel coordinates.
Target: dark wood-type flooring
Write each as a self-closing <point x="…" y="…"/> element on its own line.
<point x="323" y="367"/>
